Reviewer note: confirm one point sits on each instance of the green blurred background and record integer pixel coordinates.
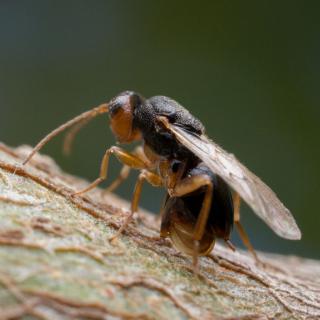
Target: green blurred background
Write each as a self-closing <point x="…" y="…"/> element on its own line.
<point x="248" y="69"/>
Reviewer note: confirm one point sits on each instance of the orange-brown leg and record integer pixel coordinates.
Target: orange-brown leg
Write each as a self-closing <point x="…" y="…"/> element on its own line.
<point x="123" y="156"/>
<point x="123" y="175"/>
<point x="230" y="244"/>
<point x="154" y="180"/>
<point x="242" y="233"/>
<point x="125" y="170"/>
<point x="187" y="186"/>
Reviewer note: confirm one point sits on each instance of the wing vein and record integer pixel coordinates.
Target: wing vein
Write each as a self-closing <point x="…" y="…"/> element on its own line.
<point x="263" y="201"/>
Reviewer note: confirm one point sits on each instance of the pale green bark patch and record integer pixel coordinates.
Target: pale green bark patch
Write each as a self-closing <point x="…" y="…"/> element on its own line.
<point x="56" y="261"/>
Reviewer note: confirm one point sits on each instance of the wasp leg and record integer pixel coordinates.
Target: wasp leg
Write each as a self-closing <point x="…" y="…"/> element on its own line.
<point x="123" y="156"/>
<point x="189" y="185"/>
<point x="242" y="233"/>
<point x="123" y="175"/>
<point x="125" y="170"/>
<point x="155" y="180"/>
<point x="230" y="244"/>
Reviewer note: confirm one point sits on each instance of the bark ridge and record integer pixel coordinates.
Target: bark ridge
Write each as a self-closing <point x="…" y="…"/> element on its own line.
<point x="57" y="262"/>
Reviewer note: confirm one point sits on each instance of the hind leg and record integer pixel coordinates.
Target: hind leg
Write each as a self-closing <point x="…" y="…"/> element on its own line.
<point x="186" y="186"/>
<point x="242" y="233"/>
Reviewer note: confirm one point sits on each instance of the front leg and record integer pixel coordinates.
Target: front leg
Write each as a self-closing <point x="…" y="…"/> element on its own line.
<point x="138" y="152"/>
<point x="125" y="157"/>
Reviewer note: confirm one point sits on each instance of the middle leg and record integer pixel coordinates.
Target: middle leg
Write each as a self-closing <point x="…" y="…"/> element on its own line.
<point x="154" y="180"/>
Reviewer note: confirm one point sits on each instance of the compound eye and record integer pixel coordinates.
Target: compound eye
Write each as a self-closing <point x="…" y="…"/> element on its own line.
<point x="121" y="114"/>
<point x="120" y="102"/>
<point x="115" y="108"/>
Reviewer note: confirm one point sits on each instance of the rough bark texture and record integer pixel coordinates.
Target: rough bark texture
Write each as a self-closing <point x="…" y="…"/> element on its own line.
<point x="56" y="261"/>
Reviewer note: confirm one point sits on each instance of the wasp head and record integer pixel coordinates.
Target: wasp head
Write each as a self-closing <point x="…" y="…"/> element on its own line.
<point x="121" y="111"/>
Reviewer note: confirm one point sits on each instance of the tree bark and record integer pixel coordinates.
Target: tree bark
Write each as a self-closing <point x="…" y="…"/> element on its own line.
<point x="56" y="261"/>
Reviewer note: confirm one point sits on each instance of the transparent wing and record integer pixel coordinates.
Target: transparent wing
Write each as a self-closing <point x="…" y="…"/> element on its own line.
<point x="263" y="201"/>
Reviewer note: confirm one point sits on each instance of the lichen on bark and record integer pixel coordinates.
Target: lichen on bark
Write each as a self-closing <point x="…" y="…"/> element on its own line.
<point x="56" y="261"/>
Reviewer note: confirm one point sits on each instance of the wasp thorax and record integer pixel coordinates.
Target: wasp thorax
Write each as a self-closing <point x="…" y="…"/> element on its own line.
<point x="121" y="110"/>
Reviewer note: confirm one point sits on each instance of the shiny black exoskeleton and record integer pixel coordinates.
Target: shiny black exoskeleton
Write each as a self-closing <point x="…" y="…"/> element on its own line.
<point x="144" y="119"/>
<point x="180" y="214"/>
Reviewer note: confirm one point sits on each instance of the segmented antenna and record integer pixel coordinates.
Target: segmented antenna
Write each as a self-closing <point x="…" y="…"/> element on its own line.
<point x="71" y="134"/>
<point x="88" y="115"/>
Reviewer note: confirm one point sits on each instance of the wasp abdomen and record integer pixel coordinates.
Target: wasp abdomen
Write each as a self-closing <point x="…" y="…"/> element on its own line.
<point x="180" y="215"/>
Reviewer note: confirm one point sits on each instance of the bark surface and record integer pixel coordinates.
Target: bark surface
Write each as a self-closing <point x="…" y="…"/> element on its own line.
<point x="56" y="261"/>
